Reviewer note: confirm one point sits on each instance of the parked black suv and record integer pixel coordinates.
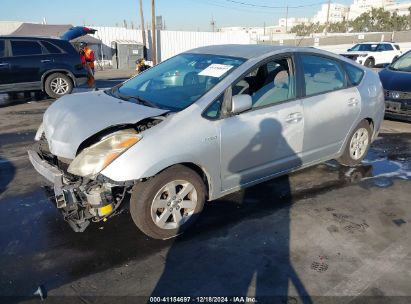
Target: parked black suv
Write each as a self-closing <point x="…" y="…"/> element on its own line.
<point x="39" y="64"/>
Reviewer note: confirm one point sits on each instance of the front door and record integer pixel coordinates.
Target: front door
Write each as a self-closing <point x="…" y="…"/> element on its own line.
<point x="26" y="62"/>
<point x="266" y="139"/>
<point x="4" y="66"/>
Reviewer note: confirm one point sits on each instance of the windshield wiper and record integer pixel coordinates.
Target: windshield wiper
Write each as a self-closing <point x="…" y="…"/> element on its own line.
<point x="137" y="99"/>
<point x="141" y="101"/>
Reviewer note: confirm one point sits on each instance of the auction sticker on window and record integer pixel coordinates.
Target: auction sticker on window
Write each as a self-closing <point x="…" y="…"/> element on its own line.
<point x="215" y="70"/>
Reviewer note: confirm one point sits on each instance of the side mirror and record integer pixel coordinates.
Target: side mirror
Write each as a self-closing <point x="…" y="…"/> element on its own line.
<point x="241" y="103"/>
<point x="386" y="65"/>
<point x="348" y="50"/>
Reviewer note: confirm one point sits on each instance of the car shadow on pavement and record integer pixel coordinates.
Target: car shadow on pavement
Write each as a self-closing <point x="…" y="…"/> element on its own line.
<point x="241" y="260"/>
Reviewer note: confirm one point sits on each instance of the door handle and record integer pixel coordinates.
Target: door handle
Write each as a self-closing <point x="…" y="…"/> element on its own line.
<point x="294" y="117"/>
<point x="353" y="101"/>
<point x="45" y="60"/>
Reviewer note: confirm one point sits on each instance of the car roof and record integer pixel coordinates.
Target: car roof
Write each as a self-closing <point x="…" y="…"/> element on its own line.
<point x="248" y="51"/>
<point x="379" y="42"/>
<point x="29" y="37"/>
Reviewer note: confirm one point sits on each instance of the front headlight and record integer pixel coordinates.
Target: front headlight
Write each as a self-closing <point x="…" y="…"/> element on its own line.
<point x="98" y="156"/>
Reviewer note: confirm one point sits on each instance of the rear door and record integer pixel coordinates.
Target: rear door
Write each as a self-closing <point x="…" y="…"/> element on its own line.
<point x="387" y="53"/>
<point x="26" y="61"/>
<point x="331" y="106"/>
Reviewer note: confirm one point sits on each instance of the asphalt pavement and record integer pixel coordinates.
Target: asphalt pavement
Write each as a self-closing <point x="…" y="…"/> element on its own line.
<point x="324" y="234"/>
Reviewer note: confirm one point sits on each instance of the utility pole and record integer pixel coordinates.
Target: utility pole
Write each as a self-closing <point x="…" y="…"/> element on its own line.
<point x="286" y="20"/>
<point x="143" y="30"/>
<point x="153" y="34"/>
<point x="212" y="23"/>
<point x="327" y="24"/>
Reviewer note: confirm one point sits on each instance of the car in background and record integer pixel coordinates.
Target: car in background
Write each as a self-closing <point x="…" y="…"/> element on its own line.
<point x="396" y="81"/>
<point x="372" y="54"/>
<point x="50" y="65"/>
<point x="258" y="112"/>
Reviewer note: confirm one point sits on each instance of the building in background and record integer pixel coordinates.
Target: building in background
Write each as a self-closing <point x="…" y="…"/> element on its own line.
<point x="338" y="13"/>
<point x="8" y="27"/>
<point x="362" y="6"/>
<point x="289" y="23"/>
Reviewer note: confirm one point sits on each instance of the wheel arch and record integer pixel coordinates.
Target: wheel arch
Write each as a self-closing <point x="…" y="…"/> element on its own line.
<point x="201" y="171"/>
<point x="54" y="71"/>
<point x="370" y="122"/>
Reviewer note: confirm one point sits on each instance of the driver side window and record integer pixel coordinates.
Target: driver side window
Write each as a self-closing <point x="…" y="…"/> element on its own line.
<point x="269" y="84"/>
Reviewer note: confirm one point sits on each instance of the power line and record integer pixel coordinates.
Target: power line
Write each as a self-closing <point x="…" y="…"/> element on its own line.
<point x="240" y="9"/>
<point x="272" y="7"/>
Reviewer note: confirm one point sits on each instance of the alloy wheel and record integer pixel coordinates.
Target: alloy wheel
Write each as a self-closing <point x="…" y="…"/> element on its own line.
<point x="174" y="204"/>
<point x="359" y="143"/>
<point x="59" y="86"/>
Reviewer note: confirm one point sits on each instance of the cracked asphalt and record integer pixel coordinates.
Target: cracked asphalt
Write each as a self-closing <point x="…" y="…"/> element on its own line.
<point x="323" y="234"/>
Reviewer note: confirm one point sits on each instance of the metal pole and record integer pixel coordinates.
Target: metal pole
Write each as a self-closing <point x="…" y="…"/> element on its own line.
<point x="286" y="20"/>
<point x="153" y="34"/>
<point x="328" y="17"/>
<point x="143" y="30"/>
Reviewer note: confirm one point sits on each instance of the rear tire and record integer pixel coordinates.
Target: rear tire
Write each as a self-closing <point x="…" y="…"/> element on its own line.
<point x="167" y="204"/>
<point x="358" y="145"/>
<point x="57" y="85"/>
<point x="370" y="62"/>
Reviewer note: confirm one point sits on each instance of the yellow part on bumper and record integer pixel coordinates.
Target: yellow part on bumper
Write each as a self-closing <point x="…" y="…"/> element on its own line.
<point x="105" y="210"/>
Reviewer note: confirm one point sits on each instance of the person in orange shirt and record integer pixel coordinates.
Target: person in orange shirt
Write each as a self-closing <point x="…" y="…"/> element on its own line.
<point x="87" y="55"/>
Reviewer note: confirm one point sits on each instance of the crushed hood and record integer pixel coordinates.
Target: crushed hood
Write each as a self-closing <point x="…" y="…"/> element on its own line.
<point x="74" y="118"/>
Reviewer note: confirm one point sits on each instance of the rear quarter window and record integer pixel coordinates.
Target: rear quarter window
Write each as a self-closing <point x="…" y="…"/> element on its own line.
<point x="51" y="48"/>
<point x="397" y="46"/>
<point x="355" y="74"/>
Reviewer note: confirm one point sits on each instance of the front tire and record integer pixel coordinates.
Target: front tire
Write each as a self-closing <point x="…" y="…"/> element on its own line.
<point x="167" y="204"/>
<point x="57" y="85"/>
<point x="370" y="62"/>
<point x="358" y="145"/>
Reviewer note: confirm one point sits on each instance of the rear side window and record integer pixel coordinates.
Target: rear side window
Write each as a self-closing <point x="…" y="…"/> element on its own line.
<point x="2" y="48"/>
<point x="354" y="74"/>
<point x="385" y="47"/>
<point x="25" y="47"/>
<point x="321" y="75"/>
<point x="51" y="48"/>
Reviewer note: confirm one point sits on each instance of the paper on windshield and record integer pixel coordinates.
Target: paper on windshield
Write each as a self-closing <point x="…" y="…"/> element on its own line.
<point x="215" y="70"/>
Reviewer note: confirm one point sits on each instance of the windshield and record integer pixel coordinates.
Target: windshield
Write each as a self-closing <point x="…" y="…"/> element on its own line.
<point x="403" y="63"/>
<point x="364" y="47"/>
<point x="178" y="82"/>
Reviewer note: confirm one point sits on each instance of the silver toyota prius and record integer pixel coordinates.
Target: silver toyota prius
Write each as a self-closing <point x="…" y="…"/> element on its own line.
<point x="239" y="115"/>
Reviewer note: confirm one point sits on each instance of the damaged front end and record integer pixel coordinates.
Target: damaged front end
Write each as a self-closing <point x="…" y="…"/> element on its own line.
<point x="80" y="192"/>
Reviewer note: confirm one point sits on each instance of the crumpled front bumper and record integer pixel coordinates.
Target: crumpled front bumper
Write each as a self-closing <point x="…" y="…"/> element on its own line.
<point x="52" y="174"/>
<point x="79" y="201"/>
